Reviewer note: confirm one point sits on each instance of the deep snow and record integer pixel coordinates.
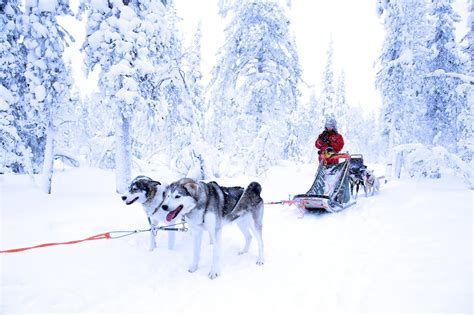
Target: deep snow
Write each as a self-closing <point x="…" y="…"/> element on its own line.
<point x="407" y="249"/>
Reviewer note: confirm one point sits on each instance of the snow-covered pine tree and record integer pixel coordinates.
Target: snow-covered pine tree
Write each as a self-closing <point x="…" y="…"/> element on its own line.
<point x="355" y="137"/>
<point x="254" y="84"/>
<point x="341" y="107"/>
<point x="403" y="64"/>
<point x="97" y="131"/>
<point x="176" y="92"/>
<point x="157" y="70"/>
<point x="444" y="102"/>
<point x="47" y="77"/>
<point x="193" y="159"/>
<point x="192" y="69"/>
<point x="110" y="38"/>
<point x="306" y="123"/>
<point x="9" y="156"/>
<point x="327" y="97"/>
<point x="468" y="40"/>
<point x="466" y="115"/>
<point x="14" y="156"/>
<point x="362" y="134"/>
<point x="127" y="39"/>
<point x="69" y="139"/>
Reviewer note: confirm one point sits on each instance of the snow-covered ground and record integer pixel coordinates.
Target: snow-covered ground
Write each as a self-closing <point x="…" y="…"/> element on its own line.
<point x="407" y="249"/>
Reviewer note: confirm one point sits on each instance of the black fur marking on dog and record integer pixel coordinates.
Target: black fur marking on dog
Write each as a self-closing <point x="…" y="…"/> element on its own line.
<point x="231" y="197"/>
<point x="129" y="203"/>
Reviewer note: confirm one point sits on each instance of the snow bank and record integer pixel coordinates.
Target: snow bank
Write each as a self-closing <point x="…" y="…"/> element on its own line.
<point x="416" y="160"/>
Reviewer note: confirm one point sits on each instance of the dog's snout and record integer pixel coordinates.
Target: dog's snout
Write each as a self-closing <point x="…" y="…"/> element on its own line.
<point x="124" y="197"/>
<point x="165" y="207"/>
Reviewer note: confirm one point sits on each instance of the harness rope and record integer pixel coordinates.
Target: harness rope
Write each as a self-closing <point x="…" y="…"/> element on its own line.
<point x="107" y="235"/>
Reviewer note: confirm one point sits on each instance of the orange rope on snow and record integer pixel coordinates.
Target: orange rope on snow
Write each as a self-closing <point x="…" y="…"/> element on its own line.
<point x="92" y="238"/>
<point x="108" y="235"/>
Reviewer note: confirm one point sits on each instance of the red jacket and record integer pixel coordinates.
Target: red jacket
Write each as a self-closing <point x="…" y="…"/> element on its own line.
<point x="334" y="140"/>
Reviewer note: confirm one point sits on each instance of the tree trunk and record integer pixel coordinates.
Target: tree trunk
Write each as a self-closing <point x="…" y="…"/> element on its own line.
<point x="48" y="162"/>
<point x="123" y="163"/>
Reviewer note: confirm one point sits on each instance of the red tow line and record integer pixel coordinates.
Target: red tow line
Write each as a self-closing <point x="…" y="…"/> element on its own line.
<point x="109" y="235"/>
<point x="92" y="238"/>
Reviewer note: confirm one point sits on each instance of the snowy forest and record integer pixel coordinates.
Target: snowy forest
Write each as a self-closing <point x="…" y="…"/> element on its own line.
<point x="153" y="105"/>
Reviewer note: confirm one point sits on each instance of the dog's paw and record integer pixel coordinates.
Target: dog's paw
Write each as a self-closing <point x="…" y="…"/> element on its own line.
<point x="213" y="274"/>
<point x="260" y="261"/>
<point x="243" y="252"/>
<point x="193" y="269"/>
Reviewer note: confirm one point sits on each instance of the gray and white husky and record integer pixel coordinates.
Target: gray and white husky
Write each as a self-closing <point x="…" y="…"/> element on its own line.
<point x="149" y="193"/>
<point x="371" y="183"/>
<point x="209" y="206"/>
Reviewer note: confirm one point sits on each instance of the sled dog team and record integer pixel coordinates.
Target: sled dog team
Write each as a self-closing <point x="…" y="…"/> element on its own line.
<point x="205" y="207"/>
<point x="365" y="178"/>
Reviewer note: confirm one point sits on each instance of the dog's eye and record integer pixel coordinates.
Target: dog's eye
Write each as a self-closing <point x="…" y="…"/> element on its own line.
<point x="177" y="196"/>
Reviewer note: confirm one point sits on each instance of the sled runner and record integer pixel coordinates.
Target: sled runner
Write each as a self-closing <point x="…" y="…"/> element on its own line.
<point x="330" y="190"/>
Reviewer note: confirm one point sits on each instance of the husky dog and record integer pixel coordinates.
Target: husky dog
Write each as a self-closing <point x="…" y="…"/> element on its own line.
<point x="356" y="179"/>
<point x="371" y="182"/>
<point x="208" y="206"/>
<point x="149" y="193"/>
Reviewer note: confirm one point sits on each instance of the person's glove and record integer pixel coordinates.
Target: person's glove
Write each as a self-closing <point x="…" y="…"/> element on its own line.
<point x="324" y="138"/>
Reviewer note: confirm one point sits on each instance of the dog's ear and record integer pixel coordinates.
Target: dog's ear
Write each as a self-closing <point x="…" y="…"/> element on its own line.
<point x="155" y="183"/>
<point x="192" y="189"/>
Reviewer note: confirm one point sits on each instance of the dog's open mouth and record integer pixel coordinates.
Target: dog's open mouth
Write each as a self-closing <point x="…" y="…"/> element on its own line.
<point x="170" y="216"/>
<point x="130" y="202"/>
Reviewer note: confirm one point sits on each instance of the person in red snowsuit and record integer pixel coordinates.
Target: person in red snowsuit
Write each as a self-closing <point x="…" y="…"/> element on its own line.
<point x="329" y="141"/>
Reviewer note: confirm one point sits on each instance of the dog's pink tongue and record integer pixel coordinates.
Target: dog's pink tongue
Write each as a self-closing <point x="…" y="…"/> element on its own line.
<point x="170" y="216"/>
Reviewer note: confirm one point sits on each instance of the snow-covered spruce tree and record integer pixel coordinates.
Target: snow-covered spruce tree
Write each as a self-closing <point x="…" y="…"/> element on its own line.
<point x="126" y="39"/>
<point x="14" y="156"/>
<point x="157" y="75"/>
<point x="468" y="40"/>
<point x="327" y="97"/>
<point x="466" y="115"/>
<point x="362" y="134"/>
<point x="174" y="105"/>
<point x="341" y="107"/>
<point x="307" y="123"/>
<point x="69" y="138"/>
<point x="444" y="102"/>
<point x="9" y="139"/>
<point x="176" y="91"/>
<point x="47" y="77"/>
<point x="355" y="137"/>
<point x="193" y="160"/>
<point x="96" y="128"/>
<point x="254" y="85"/>
<point x="403" y="64"/>
<point x="192" y="70"/>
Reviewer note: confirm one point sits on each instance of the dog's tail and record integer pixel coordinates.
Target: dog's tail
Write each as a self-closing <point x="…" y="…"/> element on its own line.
<point x="250" y="198"/>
